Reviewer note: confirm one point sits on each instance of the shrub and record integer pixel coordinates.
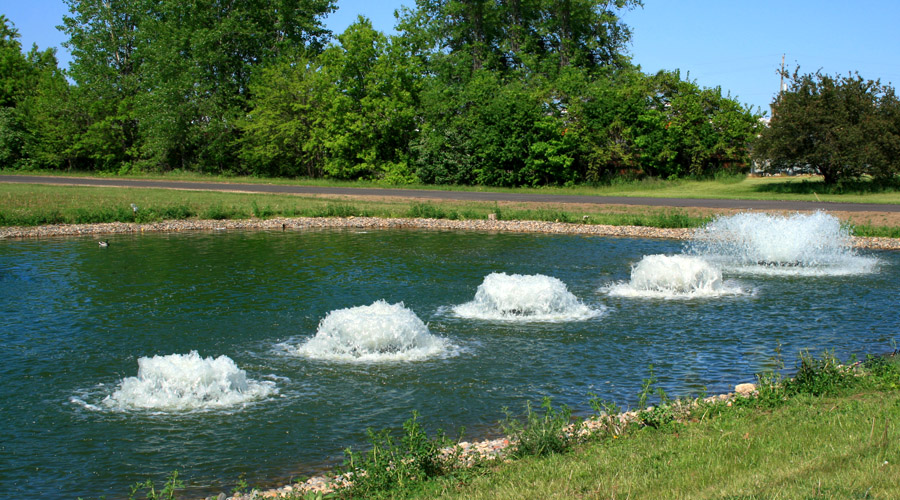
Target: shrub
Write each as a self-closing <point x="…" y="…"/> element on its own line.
<point x="540" y="434"/>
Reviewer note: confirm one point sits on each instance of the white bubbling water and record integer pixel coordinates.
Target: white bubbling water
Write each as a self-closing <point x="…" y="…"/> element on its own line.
<point x="675" y="276"/>
<point x="519" y="297"/>
<point x="800" y="244"/>
<point x="180" y="382"/>
<point x="379" y="332"/>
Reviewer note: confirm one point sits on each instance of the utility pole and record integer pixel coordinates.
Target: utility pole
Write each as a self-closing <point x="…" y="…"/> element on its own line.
<point x="781" y="85"/>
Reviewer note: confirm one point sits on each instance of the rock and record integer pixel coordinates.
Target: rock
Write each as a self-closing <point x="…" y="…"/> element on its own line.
<point x="745" y="389"/>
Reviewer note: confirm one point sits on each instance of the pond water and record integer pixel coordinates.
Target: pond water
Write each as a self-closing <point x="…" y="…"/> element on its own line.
<point x="268" y="353"/>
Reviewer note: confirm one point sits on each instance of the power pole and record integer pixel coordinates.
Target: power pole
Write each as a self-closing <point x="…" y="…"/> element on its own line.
<point x="781" y="85"/>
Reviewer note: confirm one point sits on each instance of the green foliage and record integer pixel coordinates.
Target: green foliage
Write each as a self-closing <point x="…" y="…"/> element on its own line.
<point x="819" y="376"/>
<point x="393" y="464"/>
<point x="516" y="93"/>
<point x="660" y="416"/>
<point x="428" y="211"/>
<point x="541" y="433"/>
<point x="842" y="127"/>
<point x="166" y="493"/>
<point x="336" y="210"/>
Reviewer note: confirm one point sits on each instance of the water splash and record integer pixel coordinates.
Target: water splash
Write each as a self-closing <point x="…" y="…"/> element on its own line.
<point x="378" y="332"/>
<point x="799" y="244"/>
<point x="184" y="382"/>
<point x="519" y="297"/>
<point x="675" y="276"/>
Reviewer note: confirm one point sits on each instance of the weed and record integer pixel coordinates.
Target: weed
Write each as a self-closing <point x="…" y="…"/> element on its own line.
<point x="608" y="417"/>
<point x="241" y="486"/>
<point x="219" y="212"/>
<point x="540" y="434"/>
<point x="392" y="464"/>
<point x="426" y="211"/>
<point x="335" y="210"/>
<point x="261" y="213"/>
<point x="819" y="377"/>
<point x="166" y="493"/>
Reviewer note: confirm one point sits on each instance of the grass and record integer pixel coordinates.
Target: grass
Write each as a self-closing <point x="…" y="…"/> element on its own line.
<point x="34" y="205"/>
<point x="801" y="188"/>
<point x="828" y="432"/>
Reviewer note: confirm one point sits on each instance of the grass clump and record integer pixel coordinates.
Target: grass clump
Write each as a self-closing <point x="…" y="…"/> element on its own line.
<point x="393" y="464"/>
<point x="148" y="489"/>
<point x="542" y="432"/>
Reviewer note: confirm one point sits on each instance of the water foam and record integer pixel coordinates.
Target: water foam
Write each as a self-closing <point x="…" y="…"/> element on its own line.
<point x="378" y="332"/>
<point x="183" y="382"/>
<point x="799" y="244"/>
<point x="674" y="276"/>
<point x="517" y="297"/>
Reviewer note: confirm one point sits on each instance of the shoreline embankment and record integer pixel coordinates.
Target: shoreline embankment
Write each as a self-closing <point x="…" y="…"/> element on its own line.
<point x="305" y="223"/>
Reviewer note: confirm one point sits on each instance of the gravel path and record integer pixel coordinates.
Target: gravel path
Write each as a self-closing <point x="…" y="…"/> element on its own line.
<point x="301" y="223"/>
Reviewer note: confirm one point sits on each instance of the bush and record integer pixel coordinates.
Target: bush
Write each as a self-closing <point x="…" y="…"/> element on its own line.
<point x="540" y="434"/>
<point x="392" y="463"/>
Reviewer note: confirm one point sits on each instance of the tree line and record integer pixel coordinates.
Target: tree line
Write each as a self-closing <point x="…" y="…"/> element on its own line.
<point x="487" y="92"/>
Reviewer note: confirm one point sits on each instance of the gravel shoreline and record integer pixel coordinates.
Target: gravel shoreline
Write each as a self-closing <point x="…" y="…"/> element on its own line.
<point x="300" y="223"/>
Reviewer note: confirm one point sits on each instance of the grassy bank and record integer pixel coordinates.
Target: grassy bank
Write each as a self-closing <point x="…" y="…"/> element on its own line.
<point x="799" y="188"/>
<point x="829" y="432"/>
<point x="32" y="205"/>
<point x="35" y="205"/>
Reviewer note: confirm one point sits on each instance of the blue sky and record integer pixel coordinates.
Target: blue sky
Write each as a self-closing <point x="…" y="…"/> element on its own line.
<point x="733" y="44"/>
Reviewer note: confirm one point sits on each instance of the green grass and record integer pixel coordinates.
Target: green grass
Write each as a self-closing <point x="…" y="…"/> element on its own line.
<point x="34" y="205"/>
<point x="829" y="434"/>
<point x="836" y="447"/>
<point x="751" y="188"/>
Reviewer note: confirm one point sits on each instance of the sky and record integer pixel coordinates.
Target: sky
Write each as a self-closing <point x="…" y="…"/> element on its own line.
<point x="737" y="45"/>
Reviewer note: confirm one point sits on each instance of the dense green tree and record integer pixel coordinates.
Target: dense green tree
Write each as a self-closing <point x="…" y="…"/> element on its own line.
<point x="199" y="58"/>
<point x="843" y="127"/>
<point x="33" y="131"/>
<point x="104" y="43"/>
<point x="161" y="84"/>
<point x="347" y="114"/>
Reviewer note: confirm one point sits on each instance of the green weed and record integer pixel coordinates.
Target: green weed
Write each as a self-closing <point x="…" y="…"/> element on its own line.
<point x="392" y="464"/>
<point x="166" y="493"/>
<point x="541" y="433"/>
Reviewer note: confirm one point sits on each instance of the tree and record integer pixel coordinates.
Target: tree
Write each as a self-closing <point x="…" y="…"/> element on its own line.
<point x="843" y="127"/>
<point x="162" y="84"/>
<point x="33" y="132"/>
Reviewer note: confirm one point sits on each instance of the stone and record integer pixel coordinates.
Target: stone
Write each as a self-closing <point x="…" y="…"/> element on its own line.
<point x="745" y="389"/>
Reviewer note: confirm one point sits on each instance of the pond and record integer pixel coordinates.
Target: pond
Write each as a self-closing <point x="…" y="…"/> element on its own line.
<point x="265" y="353"/>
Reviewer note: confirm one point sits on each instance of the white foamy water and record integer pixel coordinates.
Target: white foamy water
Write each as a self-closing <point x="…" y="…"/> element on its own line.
<point x="674" y="276"/>
<point x="519" y="297"/>
<point x="374" y="333"/>
<point x="181" y="382"/>
<point x="800" y="244"/>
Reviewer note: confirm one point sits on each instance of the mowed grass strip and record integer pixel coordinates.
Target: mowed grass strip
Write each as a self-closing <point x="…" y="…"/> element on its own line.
<point x="36" y="204"/>
<point x="799" y="188"/>
<point x="847" y="447"/>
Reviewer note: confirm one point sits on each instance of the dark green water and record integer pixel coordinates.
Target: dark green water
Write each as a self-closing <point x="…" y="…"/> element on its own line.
<point x="75" y="319"/>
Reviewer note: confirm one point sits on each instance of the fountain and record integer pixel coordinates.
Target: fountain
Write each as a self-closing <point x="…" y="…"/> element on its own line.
<point x="675" y="276"/>
<point x="800" y="244"/>
<point x="378" y="332"/>
<point x="184" y="382"/>
<point x="518" y="297"/>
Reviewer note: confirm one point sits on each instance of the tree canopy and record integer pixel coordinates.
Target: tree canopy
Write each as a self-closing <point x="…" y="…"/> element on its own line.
<point x="490" y="92"/>
<point x="842" y="127"/>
